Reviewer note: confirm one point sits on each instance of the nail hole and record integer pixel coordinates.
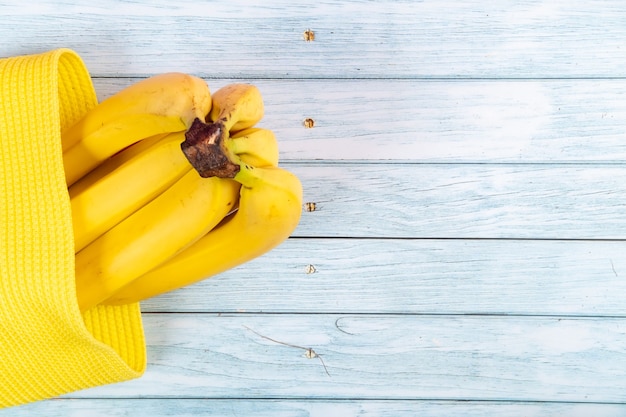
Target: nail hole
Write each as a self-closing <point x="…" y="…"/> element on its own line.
<point x="309" y="123"/>
<point x="310" y="206"/>
<point x="310" y="269"/>
<point x="309" y="35"/>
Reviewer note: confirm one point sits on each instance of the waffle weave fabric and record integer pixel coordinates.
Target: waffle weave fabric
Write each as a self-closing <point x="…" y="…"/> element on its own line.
<point x="47" y="347"/>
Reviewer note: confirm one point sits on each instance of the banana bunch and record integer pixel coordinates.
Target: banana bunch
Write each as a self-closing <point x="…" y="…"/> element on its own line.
<point x="170" y="185"/>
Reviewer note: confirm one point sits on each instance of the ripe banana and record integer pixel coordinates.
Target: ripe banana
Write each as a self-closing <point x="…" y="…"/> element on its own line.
<point x="256" y="146"/>
<point x="123" y="184"/>
<point x="163" y="103"/>
<point x="235" y="107"/>
<point x="130" y="179"/>
<point x="138" y="200"/>
<point x="159" y="230"/>
<point x="270" y="205"/>
<point x="238" y="106"/>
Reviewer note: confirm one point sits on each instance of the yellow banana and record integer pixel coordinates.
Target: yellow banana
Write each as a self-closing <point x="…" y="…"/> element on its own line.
<point x="235" y="107"/>
<point x="270" y="206"/>
<point x="130" y="179"/>
<point x="239" y="106"/>
<point x="123" y="184"/>
<point x="256" y="146"/>
<point x="159" y="230"/>
<point x="163" y="103"/>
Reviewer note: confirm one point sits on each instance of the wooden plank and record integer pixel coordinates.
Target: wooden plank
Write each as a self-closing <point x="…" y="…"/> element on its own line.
<point x="380" y="358"/>
<point x="440" y="121"/>
<point x="417" y="276"/>
<point x="391" y="39"/>
<point x="463" y="201"/>
<point x="307" y="408"/>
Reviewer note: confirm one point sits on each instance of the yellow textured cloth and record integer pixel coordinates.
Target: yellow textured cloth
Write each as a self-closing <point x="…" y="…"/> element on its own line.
<point x="47" y="347"/>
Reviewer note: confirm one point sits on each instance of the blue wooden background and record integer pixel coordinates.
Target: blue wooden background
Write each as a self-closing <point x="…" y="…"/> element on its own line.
<point x="467" y="164"/>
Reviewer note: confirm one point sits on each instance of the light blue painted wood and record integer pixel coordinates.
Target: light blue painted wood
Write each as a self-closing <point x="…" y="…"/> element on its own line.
<point x="463" y="201"/>
<point x="511" y="117"/>
<point x="441" y="121"/>
<point x="566" y="278"/>
<point x="380" y="39"/>
<point x="308" y="408"/>
<point x="257" y="356"/>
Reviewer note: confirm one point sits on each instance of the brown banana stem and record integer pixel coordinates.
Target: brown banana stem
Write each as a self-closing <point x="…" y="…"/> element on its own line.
<point x="205" y="148"/>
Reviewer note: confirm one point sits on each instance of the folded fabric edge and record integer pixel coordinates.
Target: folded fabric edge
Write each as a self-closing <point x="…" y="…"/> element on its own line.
<point x="47" y="348"/>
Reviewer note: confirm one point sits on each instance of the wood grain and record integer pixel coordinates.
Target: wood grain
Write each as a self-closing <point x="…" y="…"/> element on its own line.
<point x="309" y="408"/>
<point x="357" y="39"/>
<point x="463" y="201"/>
<point x="465" y="256"/>
<point x="417" y="276"/>
<point x="380" y="357"/>
<point x="495" y="121"/>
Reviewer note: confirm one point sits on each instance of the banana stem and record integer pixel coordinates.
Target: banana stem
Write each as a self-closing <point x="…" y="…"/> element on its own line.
<point x="205" y="148"/>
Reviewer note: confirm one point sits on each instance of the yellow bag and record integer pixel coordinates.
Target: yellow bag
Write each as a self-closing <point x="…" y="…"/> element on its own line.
<point x="47" y="347"/>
